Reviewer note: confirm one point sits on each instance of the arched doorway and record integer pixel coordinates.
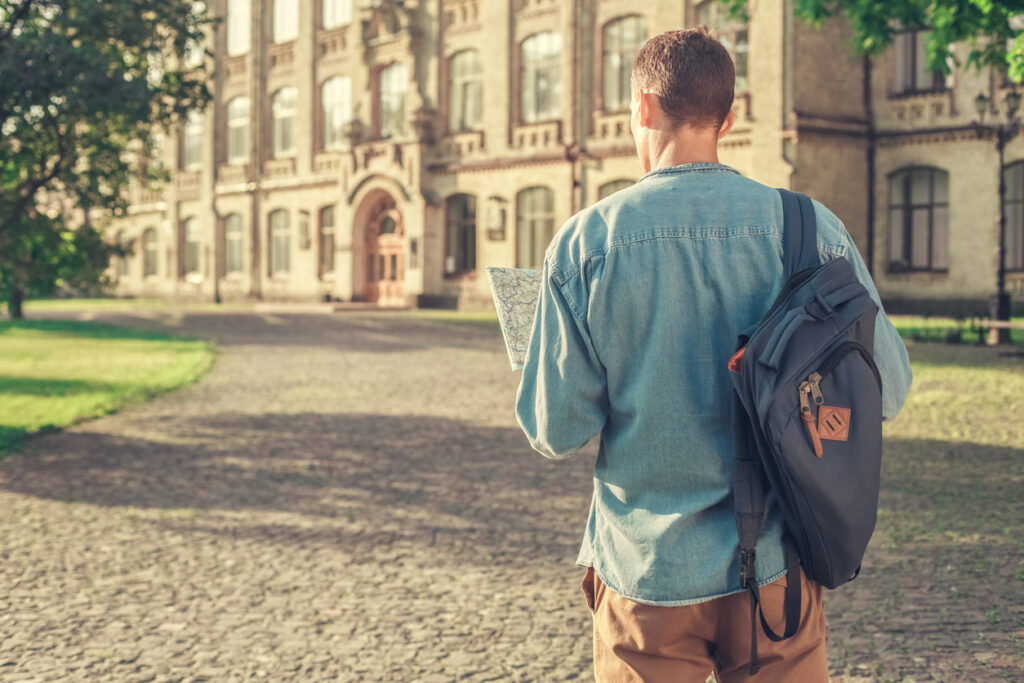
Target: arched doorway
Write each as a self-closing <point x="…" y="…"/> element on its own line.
<point x="384" y="264"/>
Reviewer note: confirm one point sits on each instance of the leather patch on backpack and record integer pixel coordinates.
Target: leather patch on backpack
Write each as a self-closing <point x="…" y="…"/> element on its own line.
<point x="834" y="423"/>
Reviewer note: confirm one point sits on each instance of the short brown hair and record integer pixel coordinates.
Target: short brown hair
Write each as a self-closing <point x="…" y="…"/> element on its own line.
<point x="691" y="73"/>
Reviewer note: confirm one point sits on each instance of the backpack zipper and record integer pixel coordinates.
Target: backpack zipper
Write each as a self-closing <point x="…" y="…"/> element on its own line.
<point x="807" y="415"/>
<point x="810" y="389"/>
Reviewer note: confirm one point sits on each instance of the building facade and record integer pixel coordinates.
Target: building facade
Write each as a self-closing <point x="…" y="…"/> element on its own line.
<point x="388" y="151"/>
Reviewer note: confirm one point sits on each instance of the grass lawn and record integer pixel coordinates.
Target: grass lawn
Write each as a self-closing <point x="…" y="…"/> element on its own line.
<point x="55" y="373"/>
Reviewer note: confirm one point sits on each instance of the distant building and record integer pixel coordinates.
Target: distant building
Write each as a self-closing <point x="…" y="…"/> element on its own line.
<point x="387" y="151"/>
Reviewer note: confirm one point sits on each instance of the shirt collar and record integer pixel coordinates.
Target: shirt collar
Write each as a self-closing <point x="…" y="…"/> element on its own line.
<point x="704" y="166"/>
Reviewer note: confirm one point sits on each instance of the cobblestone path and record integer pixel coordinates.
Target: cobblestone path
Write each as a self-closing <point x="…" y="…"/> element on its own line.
<point x="342" y="498"/>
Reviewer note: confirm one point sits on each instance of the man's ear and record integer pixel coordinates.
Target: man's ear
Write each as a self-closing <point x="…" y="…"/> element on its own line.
<point x="646" y="111"/>
<point x="726" y="125"/>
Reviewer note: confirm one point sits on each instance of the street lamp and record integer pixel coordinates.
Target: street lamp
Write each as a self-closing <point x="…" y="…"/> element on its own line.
<point x="1004" y="132"/>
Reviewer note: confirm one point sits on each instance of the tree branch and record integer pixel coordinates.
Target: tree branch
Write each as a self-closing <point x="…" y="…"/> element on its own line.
<point x="33" y="186"/>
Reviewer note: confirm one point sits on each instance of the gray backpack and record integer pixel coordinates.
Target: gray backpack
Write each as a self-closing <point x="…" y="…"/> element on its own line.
<point x="807" y="420"/>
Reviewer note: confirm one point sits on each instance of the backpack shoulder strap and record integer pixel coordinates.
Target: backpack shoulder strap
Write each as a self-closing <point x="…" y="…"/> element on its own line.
<point x="799" y="233"/>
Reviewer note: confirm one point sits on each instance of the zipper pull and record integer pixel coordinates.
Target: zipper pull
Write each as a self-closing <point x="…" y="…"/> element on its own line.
<point x="813" y="382"/>
<point x="808" y="417"/>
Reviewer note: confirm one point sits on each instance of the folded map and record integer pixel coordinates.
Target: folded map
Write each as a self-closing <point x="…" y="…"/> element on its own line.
<point x="515" y="293"/>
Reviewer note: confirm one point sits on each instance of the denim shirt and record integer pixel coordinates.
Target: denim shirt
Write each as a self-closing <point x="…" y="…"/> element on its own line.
<point x="643" y="296"/>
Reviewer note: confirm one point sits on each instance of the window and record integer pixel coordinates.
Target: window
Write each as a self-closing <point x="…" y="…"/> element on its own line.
<point x="190" y="264"/>
<point x="910" y="64"/>
<point x="238" y="130"/>
<point x="540" y="86"/>
<point x="284" y="122"/>
<point x="336" y="13"/>
<point x="919" y="219"/>
<point x="465" y="94"/>
<point x="612" y="187"/>
<point x="150" y="252"/>
<point x="121" y="265"/>
<point x="535" y="225"/>
<point x="192" y="156"/>
<point x="622" y="40"/>
<point x="733" y="34"/>
<point x="286" y="20"/>
<point x="336" y="100"/>
<point x="1013" y="176"/>
<point x="239" y="26"/>
<point x="394" y="81"/>
<point x="460" y="236"/>
<point x="326" y="241"/>
<point x="280" y="243"/>
<point x="234" y="240"/>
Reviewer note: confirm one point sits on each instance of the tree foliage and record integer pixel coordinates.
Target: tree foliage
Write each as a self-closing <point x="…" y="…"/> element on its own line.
<point x="85" y="85"/>
<point x="991" y="28"/>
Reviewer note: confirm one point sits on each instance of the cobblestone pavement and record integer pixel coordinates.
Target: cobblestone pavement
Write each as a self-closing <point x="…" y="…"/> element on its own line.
<point x="343" y="498"/>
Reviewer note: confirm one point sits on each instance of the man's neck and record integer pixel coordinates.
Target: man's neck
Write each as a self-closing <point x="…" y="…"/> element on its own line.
<point x="688" y="146"/>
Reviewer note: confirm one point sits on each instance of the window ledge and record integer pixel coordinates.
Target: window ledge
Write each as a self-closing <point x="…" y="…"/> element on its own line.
<point x="910" y="94"/>
<point x="537" y="135"/>
<point x="612" y="125"/>
<point x="280" y="166"/>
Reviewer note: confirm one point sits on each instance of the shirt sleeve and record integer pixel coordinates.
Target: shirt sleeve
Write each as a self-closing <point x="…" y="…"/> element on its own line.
<point x="562" y="400"/>
<point x="890" y="353"/>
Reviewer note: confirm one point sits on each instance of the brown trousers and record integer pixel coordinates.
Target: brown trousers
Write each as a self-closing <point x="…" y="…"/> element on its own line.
<point x="706" y="642"/>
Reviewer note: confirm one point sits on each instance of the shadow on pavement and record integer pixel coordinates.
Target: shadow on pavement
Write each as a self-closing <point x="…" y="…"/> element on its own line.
<point x="363" y="480"/>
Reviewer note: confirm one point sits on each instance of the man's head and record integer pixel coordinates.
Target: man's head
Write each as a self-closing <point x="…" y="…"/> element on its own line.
<point x="683" y="85"/>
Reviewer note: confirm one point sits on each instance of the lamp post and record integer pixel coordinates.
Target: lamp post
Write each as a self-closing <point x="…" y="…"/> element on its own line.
<point x="1004" y="132"/>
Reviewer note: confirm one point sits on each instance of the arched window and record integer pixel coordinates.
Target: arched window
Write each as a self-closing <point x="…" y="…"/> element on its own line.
<point x="535" y="225"/>
<point x="1013" y="176"/>
<point x="150" y="252"/>
<point x="612" y="187"/>
<point x="234" y="241"/>
<point x="280" y="243"/>
<point x="460" y="234"/>
<point x="190" y="263"/>
<point x="540" y="74"/>
<point x="192" y="146"/>
<point x="326" y="241"/>
<point x="336" y="13"/>
<point x="623" y="38"/>
<point x="238" y="130"/>
<point x="394" y="82"/>
<point x="286" y="20"/>
<point x="284" y="121"/>
<point x="336" y="102"/>
<point x="919" y="219"/>
<point x="239" y="26"/>
<point x="465" y="91"/>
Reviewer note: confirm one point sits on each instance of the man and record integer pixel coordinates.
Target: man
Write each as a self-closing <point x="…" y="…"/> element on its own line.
<point x="643" y="297"/>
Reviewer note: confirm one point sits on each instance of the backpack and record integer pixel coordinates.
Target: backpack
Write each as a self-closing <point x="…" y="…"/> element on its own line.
<point x="807" y="421"/>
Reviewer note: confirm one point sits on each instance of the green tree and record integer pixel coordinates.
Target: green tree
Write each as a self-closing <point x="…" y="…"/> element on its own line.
<point x="84" y="87"/>
<point x="989" y="27"/>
